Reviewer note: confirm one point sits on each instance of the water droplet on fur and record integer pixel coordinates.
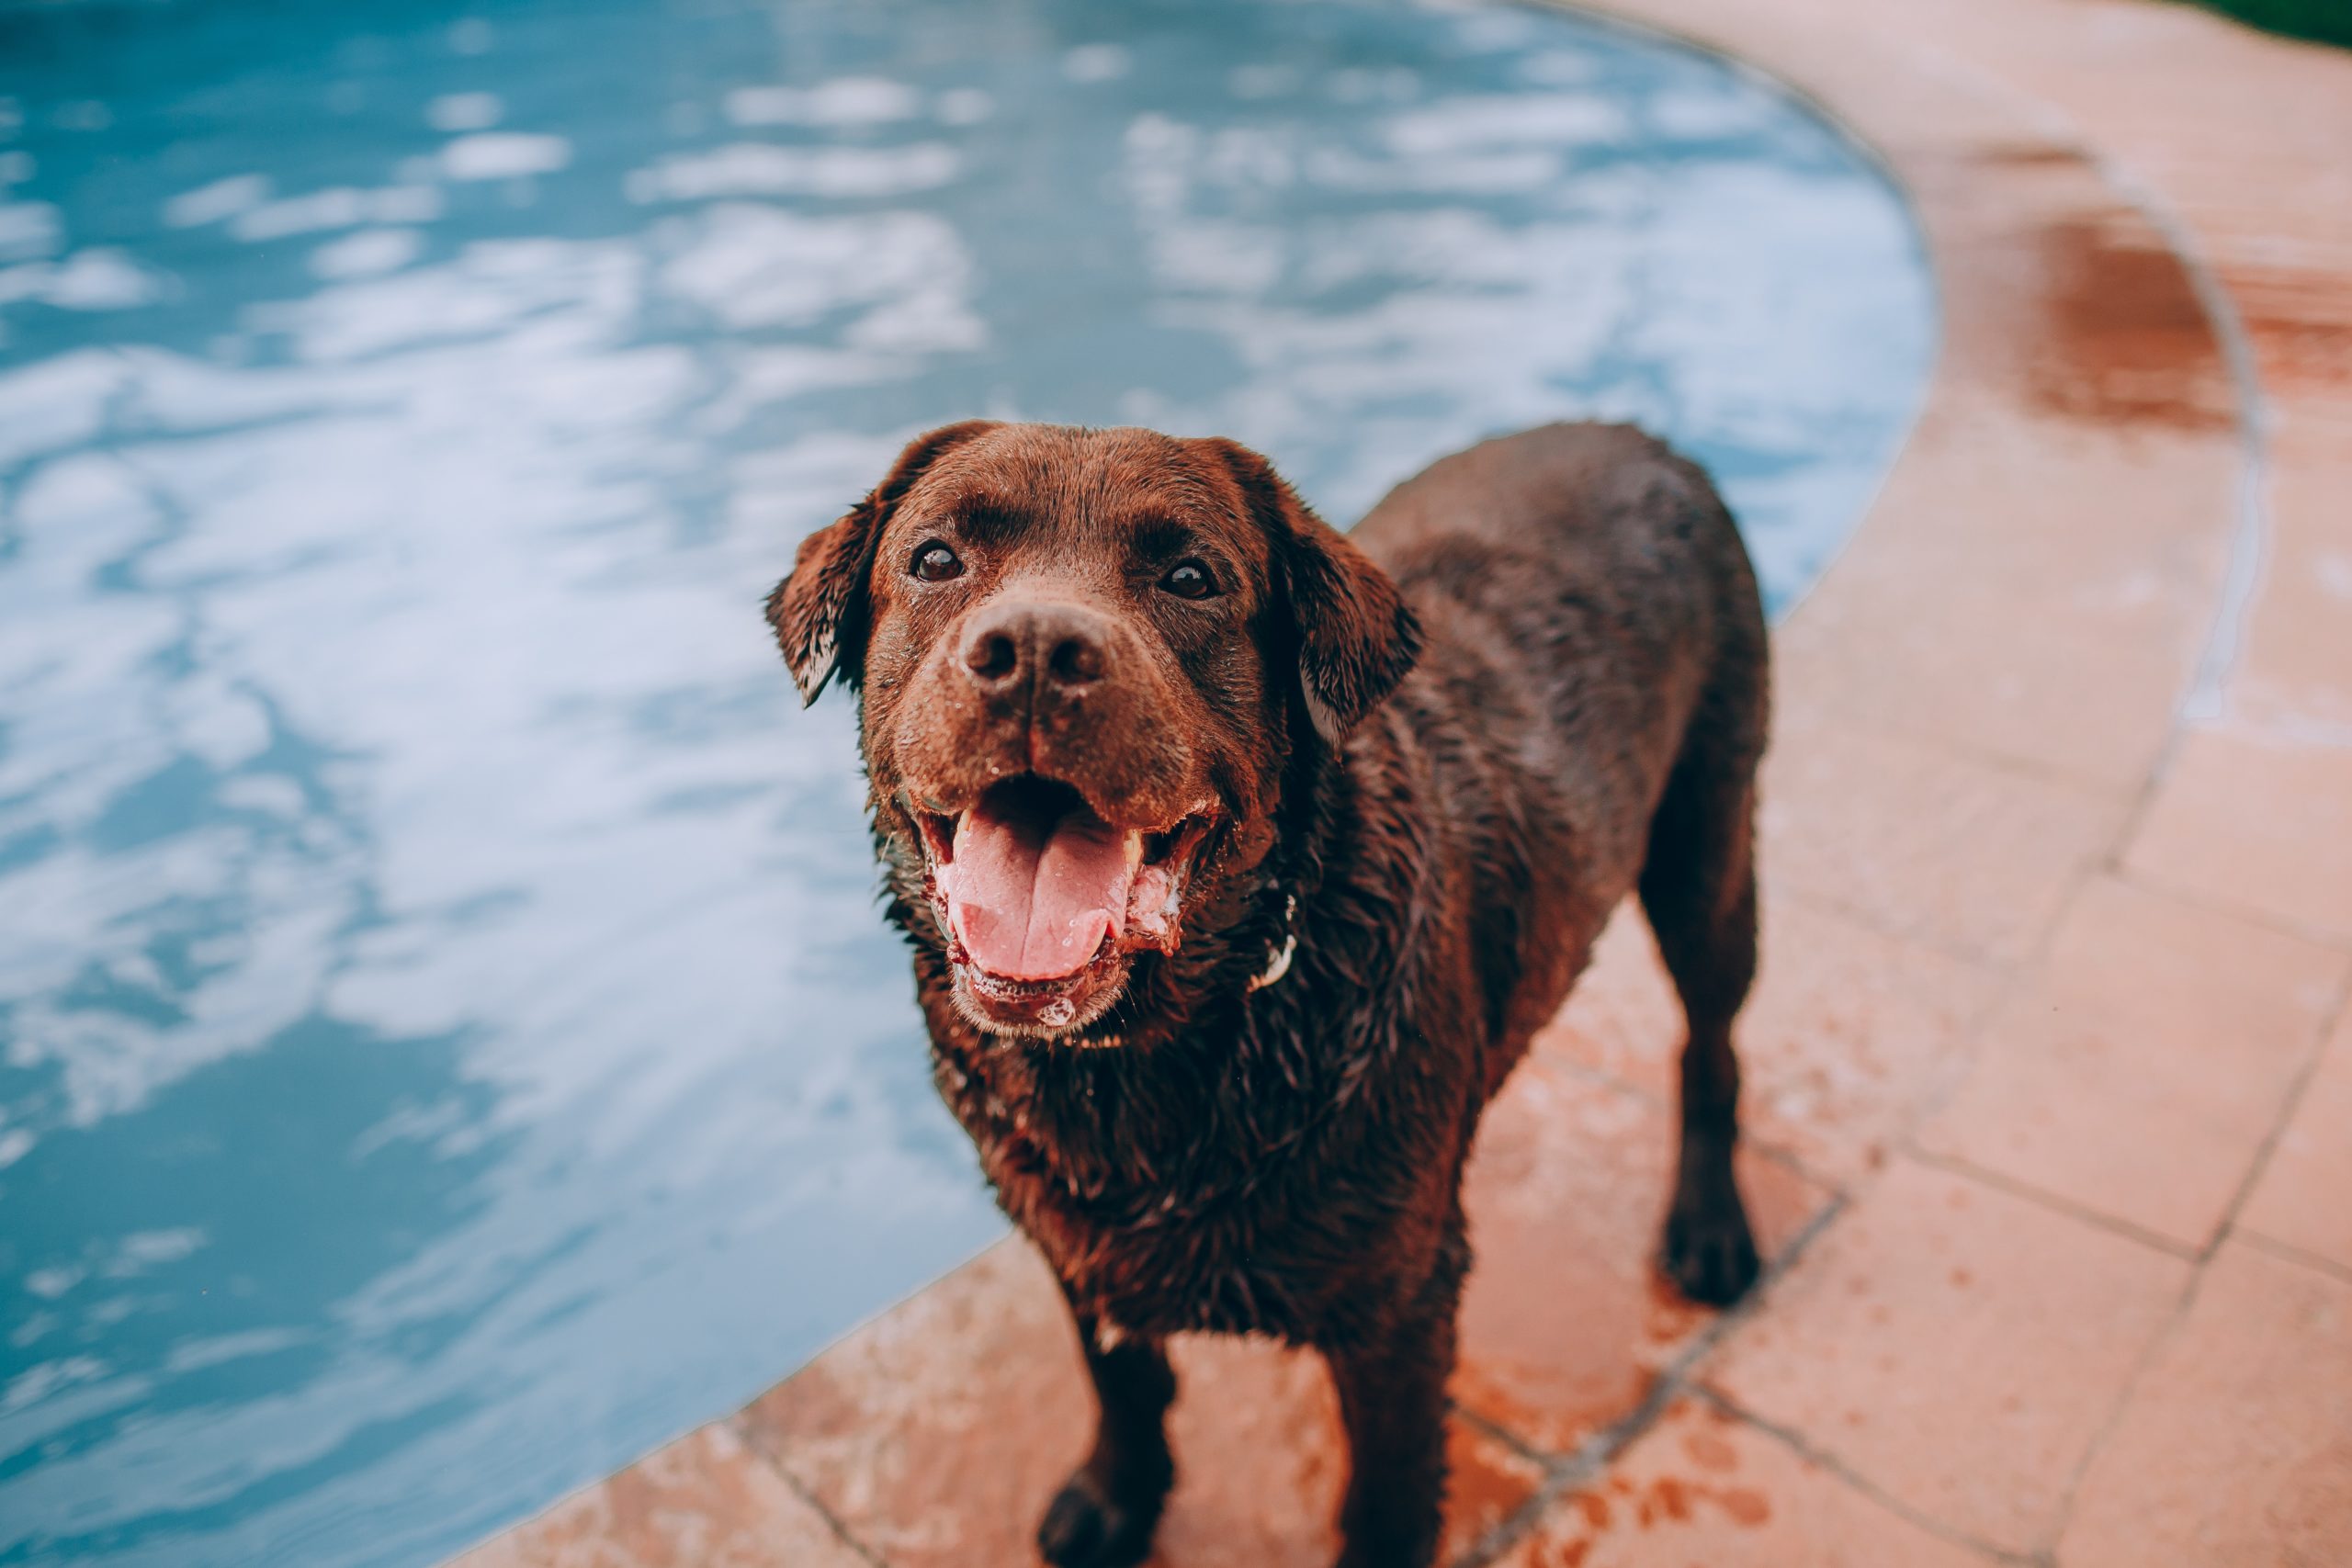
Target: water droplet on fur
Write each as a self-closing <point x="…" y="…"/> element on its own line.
<point x="1058" y="1013"/>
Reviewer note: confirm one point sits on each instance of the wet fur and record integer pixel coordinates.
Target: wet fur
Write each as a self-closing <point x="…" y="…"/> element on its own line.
<point x="1546" y="676"/>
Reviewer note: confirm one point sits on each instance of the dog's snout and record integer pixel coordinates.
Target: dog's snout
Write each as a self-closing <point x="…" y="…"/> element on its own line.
<point x="1010" y="646"/>
<point x="992" y="657"/>
<point x="1076" y="659"/>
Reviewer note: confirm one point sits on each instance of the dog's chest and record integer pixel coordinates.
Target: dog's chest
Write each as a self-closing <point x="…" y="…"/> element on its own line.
<point x="1158" y="1236"/>
<point x="1173" y="1274"/>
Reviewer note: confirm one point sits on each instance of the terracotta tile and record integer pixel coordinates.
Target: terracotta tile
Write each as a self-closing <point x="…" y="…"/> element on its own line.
<point x="2235" y="1451"/>
<point x="1921" y="842"/>
<point x="1702" y="1488"/>
<point x="2261" y="824"/>
<point x="2083" y="682"/>
<point x="2301" y="1199"/>
<point x="1955" y="1345"/>
<point x="939" y="1432"/>
<point x="2140" y="1074"/>
<point x="1566" y="1323"/>
<point x="2025" y="591"/>
<point x="706" y="1501"/>
<point x="1846" y="1037"/>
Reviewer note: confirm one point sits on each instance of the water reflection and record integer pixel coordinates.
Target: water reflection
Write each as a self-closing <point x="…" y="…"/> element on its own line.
<point x="445" y="1045"/>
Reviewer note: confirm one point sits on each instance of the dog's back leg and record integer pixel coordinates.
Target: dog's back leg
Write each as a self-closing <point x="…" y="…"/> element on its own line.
<point x="1698" y="888"/>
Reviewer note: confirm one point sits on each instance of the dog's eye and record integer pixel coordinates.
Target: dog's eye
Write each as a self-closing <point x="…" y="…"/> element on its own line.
<point x="935" y="563"/>
<point x="1190" y="580"/>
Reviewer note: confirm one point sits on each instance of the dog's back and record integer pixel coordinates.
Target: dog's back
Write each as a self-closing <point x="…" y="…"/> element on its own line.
<point x="1593" y="635"/>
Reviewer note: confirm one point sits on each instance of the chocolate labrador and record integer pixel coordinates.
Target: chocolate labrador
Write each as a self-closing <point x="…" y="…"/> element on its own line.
<point x="1241" y="859"/>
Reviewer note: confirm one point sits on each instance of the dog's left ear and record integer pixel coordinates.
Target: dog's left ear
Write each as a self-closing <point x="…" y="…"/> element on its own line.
<point x="819" y="612"/>
<point x="1357" y="637"/>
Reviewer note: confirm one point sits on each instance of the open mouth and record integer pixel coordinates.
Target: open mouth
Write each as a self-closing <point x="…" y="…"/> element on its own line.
<point x="1037" y="890"/>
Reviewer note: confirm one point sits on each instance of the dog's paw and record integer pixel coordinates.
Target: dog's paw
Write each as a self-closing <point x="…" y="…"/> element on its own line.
<point x="1084" y="1530"/>
<point x="1708" y="1252"/>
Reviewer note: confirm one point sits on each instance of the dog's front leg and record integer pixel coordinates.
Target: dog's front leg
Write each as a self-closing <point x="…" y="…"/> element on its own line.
<point x="1392" y="1397"/>
<point x="1105" y="1515"/>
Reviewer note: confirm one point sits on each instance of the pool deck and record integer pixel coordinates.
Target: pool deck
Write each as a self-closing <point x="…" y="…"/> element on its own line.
<point x="2050" y="1067"/>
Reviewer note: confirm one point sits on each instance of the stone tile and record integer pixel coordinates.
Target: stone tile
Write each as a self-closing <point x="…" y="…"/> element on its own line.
<point x="938" y="1433"/>
<point x="2235" y="1449"/>
<point x="1921" y="842"/>
<point x="1702" y="1488"/>
<point x="704" y="1501"/>
<point x="1566" y="1323"/>
<point x="1956" y="1346"/>
<point x="2141" y="1073"/>
<point x="2074" y="576"/>
<point x="1848" y="1035"/>
<point x="2258" y="823"/>
<point x="2304" y="1197"/>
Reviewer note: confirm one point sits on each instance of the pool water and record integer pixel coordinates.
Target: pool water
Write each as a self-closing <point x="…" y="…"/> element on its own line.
<point x="446" y="1042"/>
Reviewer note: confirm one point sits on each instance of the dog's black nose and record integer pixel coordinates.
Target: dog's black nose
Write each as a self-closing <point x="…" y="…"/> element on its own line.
<point x="1059" y="646"/>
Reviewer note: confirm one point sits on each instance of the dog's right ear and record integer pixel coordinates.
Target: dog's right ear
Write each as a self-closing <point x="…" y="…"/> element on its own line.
<point x="819" y="612"/>
<point x="1357" y="637"/>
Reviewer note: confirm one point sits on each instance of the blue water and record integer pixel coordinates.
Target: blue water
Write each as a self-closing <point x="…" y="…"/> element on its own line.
<point x="446" y="1044"/>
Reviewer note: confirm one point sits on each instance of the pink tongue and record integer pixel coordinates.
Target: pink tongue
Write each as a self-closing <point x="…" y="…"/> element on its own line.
<point x="1032" y="899"/>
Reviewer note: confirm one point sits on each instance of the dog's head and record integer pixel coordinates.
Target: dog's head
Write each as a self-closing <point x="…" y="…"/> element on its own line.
<point x="1086" y="658"/>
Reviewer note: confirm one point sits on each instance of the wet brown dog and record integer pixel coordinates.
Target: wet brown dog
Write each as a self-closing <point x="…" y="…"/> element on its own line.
<point x="1241" y="860"/>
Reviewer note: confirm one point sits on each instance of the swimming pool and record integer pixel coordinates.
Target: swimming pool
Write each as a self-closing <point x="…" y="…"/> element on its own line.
<point x="446" y="1044"/>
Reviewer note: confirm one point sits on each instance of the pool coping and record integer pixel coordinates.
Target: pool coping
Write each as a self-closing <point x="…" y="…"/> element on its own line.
<point x="2063" y="709"/>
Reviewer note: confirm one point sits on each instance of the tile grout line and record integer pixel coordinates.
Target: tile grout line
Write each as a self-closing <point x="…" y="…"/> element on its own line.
<point x="1495" y="1431"/>
<point x="2202" y="1268"/>
<point x="2141" y="1365"/>
<point x="2287" y="1252"/>
<point x="1825" y="902"/>
<point x="1794" y="1441"/>
<point x="1982" y="966"/>
<point x="2025" y="1191"/>
<point x="1568" y="1473"/>
<point x="2260" y="1165"/>
<point x="2017" y="766"/>
<point x="753" y="1441"/>
<point x="2250" y="914"/>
